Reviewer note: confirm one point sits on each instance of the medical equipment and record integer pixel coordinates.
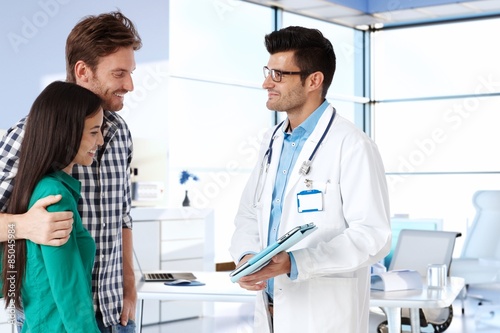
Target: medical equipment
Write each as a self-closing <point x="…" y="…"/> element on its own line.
<point x="304" y="169"/>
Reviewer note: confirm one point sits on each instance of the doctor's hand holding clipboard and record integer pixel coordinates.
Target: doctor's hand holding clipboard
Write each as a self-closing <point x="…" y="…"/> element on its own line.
<point x="254" y="269"/>
<point x="279" y="264"/>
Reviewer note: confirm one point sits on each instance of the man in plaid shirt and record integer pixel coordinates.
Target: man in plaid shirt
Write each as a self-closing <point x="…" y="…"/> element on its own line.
<point x="100" y="57"/>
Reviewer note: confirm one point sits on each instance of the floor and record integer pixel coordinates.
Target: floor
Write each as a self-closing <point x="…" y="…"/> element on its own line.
<point x="237" y="318"/>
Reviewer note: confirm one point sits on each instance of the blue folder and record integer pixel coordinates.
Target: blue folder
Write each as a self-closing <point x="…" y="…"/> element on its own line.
<point x="262" y="258"/>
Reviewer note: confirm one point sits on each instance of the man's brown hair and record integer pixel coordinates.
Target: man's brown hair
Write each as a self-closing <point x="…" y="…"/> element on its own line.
<point x="98" y="36"/>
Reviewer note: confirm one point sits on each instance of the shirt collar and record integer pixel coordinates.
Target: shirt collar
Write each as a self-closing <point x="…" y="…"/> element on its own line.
<point x="310" y="123"/>
<point x="69" y="182"/>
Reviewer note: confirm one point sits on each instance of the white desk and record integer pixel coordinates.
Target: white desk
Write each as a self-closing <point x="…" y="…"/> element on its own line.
<point x="219" y="288"/>
<point x="393" y="301"/>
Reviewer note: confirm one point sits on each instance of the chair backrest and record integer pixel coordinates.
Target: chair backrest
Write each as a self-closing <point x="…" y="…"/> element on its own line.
<point x="416" y="249"/>
<point x="483" y="237"/>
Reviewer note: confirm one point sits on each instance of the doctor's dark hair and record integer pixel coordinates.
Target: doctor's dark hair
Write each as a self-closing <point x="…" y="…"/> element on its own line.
<point x="52" y="138"/>
<point x="98" y="36"/>
<point x="313" y="52"/>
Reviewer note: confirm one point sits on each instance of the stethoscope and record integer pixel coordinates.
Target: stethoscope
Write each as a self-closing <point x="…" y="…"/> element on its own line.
<point x="304" y="170"/>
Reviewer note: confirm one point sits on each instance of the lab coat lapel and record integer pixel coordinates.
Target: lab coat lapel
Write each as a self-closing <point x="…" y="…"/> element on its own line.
<point x="269" y="184"/>
<point x="308" y="148"/>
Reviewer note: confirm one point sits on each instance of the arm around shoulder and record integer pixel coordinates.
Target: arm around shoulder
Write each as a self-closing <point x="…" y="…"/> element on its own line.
<point x="38" y="225"/>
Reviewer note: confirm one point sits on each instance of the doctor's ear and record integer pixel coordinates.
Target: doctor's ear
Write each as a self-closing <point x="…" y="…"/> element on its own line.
<point x="315" y="80"/>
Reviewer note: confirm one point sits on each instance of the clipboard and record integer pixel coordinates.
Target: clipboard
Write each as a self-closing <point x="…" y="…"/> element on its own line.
<point x="262" y="258"/>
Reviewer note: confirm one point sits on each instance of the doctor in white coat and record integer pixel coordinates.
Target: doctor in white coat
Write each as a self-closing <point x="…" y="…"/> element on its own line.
<point x="315" y="167"/>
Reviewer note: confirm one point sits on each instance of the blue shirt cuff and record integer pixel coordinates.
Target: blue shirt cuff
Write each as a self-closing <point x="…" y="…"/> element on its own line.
<point x="294" y="273"/>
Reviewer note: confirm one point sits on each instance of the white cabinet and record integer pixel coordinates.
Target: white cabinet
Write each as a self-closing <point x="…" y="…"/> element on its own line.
<point x="179" y="239"/>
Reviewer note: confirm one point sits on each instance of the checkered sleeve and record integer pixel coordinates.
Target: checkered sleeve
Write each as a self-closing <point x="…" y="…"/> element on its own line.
<point x="127" y="203"/>
<point x="9" y="160"/>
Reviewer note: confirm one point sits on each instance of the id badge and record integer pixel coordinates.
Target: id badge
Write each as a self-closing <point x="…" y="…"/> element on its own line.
<point x="310" y="201"/>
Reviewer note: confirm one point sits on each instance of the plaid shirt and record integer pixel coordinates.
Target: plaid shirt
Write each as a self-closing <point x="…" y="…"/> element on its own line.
<point x="104" y="207"/>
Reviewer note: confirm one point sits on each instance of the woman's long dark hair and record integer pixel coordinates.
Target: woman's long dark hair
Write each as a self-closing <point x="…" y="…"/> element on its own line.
<point x="51" y="141"/>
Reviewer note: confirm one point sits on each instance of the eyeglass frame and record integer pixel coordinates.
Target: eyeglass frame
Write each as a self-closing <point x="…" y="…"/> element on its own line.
<point x="271" y="71"/>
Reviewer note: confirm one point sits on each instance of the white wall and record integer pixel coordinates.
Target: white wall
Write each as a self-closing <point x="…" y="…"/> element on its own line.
<point x="34" y="35"/>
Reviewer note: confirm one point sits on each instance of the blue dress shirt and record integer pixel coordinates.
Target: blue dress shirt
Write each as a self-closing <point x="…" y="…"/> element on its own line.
<point x="292" y="145"/>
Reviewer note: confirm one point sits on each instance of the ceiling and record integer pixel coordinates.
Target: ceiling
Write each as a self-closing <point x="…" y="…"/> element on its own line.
<point x="377" y="14"/>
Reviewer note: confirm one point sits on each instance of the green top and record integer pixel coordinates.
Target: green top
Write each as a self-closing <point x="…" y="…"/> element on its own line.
<point x="57" y="291"/>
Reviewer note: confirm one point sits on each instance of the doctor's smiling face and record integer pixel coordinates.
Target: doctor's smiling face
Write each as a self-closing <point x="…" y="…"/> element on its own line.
<point x="289" y="94"/>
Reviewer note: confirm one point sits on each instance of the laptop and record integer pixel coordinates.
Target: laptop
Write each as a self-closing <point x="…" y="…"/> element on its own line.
<point x="165" y="277"/>
<point x="160" y="276"/>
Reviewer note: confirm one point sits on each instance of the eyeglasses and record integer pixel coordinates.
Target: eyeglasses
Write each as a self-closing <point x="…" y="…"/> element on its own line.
<point x="277" y="75"/>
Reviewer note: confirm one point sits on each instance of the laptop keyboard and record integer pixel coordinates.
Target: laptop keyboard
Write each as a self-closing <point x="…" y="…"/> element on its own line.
<point x="160" y="276"/>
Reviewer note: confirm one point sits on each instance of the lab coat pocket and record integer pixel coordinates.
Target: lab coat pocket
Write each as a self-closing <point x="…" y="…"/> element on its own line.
<point x="321" y="304"/>
<point x="335" y="299"/>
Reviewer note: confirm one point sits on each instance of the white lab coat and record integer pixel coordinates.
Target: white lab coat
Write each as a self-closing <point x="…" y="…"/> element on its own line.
<point x="331" y="293"/>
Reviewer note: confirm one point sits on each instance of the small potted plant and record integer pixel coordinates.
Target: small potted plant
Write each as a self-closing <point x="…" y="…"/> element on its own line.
<point x="184" y="178"/>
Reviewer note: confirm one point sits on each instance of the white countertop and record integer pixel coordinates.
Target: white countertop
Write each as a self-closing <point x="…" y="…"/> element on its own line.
<point x="163" y="213"/>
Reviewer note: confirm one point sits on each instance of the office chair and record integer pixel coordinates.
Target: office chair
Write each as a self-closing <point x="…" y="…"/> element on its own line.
<point x="415" y="250"/>
<point x="479" y="262"/>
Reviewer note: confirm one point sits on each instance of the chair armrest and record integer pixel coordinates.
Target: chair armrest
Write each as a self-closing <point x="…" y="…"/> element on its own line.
<point x="491" y="262"/>
<point x="473" y="271"/>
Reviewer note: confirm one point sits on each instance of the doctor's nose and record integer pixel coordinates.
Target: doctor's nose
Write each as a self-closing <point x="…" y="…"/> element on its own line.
<point x="268" y="82"/>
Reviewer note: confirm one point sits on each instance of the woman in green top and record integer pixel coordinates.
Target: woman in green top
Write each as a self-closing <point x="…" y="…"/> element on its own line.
<point x="53" y="284"/>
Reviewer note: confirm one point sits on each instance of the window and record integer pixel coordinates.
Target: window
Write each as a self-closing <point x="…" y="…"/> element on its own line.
<point x="436" y="60"/>
<point x="436" y="116"/>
